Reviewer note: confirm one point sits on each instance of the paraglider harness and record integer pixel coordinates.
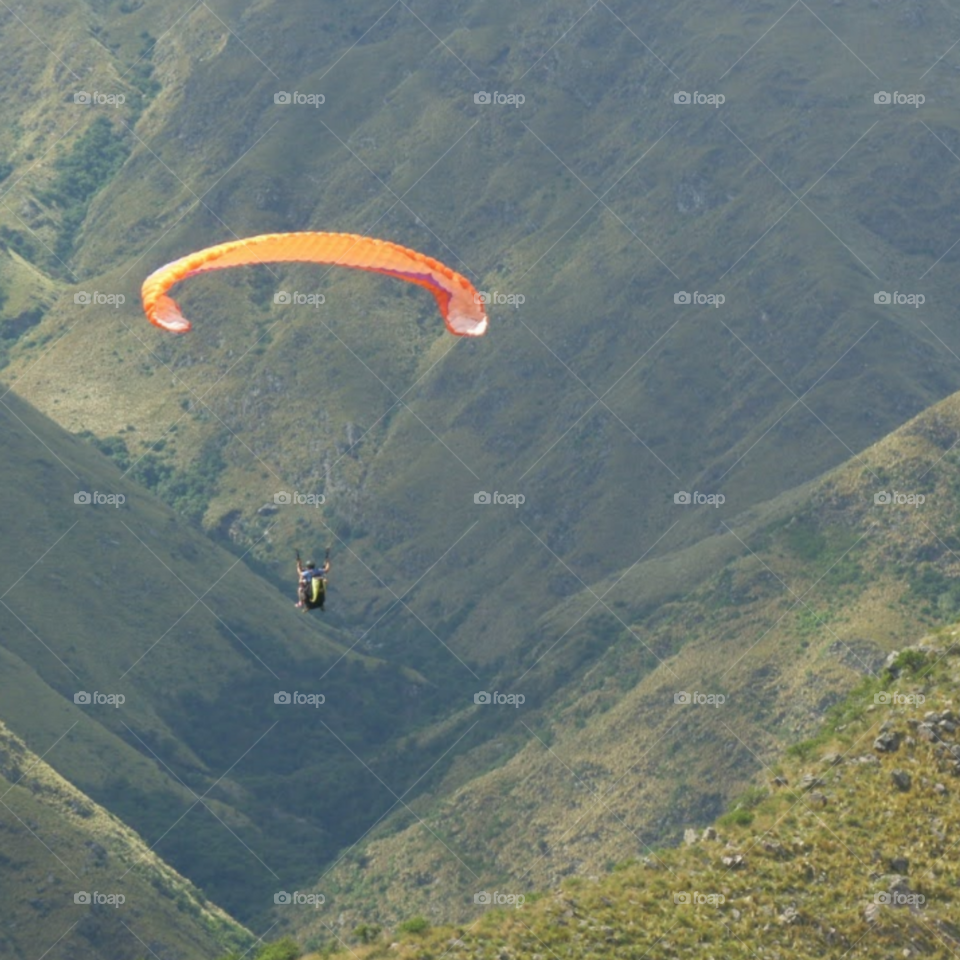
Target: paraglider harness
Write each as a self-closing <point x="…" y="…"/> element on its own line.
<point x="312" y="588"/>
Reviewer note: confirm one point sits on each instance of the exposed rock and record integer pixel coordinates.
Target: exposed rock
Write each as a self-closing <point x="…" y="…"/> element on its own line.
<point x="927" y="732"/>
<point x="901" y="779"/>
<point x="887" y="742"/>
<point x="789" y="916"/>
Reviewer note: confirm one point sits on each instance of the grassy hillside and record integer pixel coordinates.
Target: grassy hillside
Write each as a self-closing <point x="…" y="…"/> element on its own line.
<point x="132" y="601"/>
<point x="409" y="426"/>
<point x="843" y="846"/>
<point x="598" y="400"/>
<point x="802" y="599"/>
<point x="59" y="845"/>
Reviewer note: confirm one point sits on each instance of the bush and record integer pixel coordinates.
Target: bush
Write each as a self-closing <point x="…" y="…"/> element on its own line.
<point x="285" y="949"/>
<point x="414" y="925"/>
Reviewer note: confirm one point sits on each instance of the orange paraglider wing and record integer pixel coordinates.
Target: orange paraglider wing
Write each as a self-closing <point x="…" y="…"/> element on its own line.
<point x="461" y="305"/>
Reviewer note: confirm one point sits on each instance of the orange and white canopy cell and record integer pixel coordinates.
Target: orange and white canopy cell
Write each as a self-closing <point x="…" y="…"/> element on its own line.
<point x="460" y="304"/>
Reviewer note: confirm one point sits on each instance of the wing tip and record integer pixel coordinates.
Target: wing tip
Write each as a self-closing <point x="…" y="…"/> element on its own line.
<point x="465" y="325"/>
<point x="167" y="316"/>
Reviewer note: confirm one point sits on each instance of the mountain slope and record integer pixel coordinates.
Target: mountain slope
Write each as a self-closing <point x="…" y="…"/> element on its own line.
<point x="129" y="600"/>
<point x="802" y="599"/>
<point x="59" y="845"/>
<point x="696" y="199"/>
<point x="844" y="846"/>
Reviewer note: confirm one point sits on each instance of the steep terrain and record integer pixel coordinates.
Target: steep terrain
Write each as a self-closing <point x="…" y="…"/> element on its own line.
<point x="114" y="598"/>
<point x="598" y="398"/>
<point x="78" y="883"/>
<point x="133" y="132"/>
<point x="601" y="762"/>
<point x="845" y="846"/>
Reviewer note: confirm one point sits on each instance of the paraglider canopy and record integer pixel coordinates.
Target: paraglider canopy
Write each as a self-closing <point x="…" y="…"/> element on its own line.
<point x="459" y="303"/>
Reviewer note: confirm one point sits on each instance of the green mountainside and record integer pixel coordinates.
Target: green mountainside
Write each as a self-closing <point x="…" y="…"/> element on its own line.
<point x="72" y="871"/>
<point x="134" y="131"/>
<point x="407" y="426"/>
<point x="801" y="601"/>
<point x="239" y="793"/>
<point x="846" y="846"/>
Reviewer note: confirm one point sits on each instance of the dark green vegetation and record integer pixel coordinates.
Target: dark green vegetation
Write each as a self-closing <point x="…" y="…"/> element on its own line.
<point x="601" y="600"/>
<point x="282" y="784"/>
<point x="88" y="166"/>
<point x="57" y="844"/>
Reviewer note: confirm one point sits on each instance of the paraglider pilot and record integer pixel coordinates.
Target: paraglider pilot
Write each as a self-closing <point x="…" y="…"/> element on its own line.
<point x="312" y="583"/>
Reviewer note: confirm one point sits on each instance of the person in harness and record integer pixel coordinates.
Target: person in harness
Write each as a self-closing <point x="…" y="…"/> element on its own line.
<point x="312" y="583"/>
